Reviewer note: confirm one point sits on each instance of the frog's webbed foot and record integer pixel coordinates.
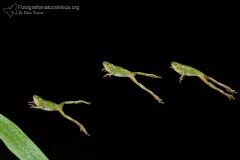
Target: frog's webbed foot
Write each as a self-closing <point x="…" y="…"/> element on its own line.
<point x="85" y="102"/>
<point x="159" y="100"/>
<point x="230" y="97"/>
<point x="153" y="76"/>
<point x="231" y="91"/>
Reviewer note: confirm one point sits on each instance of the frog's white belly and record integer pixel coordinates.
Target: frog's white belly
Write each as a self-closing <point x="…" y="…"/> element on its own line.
<point x="119" y="75"/>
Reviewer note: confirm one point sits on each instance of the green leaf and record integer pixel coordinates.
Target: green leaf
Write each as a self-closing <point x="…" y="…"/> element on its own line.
<point x="18" y="142"/>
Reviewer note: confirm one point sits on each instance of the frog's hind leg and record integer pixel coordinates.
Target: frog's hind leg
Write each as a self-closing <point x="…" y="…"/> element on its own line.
<point x="222" y="85"/>
<point x="82" y="128"/>
<point x="204" y="79"/>
<point x="147" y="90"/>
<point x="76" y="102"/>
<point x="146" y="74"/>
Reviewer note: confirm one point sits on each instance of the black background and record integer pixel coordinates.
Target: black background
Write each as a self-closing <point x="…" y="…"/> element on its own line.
<point x="59" y="55"/>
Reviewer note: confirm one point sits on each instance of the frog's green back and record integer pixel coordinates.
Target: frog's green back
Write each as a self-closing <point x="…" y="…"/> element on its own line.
<point x="185" y="69"/>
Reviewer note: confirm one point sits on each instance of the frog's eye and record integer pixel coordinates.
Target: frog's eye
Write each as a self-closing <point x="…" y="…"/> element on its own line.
<point x="37" y="97"/>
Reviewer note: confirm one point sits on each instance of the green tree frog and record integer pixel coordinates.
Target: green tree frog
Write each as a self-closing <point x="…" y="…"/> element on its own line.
<point x="113" y="70"/>
<point x="46" y="105"/>
<point x="185" y="70"/>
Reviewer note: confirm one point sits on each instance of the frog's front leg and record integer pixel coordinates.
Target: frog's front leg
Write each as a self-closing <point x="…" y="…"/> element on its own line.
<point x="32" y="104"/>
<point x="108" y="75"/>
<point x="204" y="79"/>
<point x="104" y="70"/>
<point x="146" y="74"/>
<point x="181" y="78"/>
